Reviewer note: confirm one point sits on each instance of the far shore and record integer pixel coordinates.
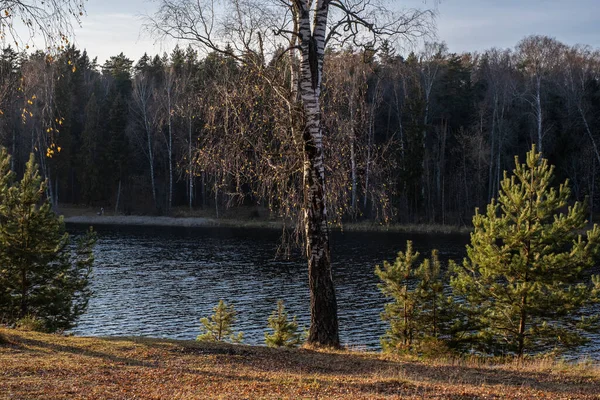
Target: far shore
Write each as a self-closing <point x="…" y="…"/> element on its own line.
<point x="86" y="216"/>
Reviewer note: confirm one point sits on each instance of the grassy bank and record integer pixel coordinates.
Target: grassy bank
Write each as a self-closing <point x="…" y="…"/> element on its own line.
<point x="240" y="217"/>
<point x="39" y="366"/>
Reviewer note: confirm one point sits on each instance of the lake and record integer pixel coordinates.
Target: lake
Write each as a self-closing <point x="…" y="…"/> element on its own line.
<point x="159" y="281"/>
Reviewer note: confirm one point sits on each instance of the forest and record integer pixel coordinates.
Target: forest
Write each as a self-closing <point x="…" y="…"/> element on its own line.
<point x="410" y="137"/>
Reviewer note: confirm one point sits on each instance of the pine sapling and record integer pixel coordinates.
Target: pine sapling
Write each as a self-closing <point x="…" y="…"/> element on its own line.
<point x="420" y="314"/>
<point x="400" y="312"/>
<point x="219" y="327"/>
<point x="285" y="332"/>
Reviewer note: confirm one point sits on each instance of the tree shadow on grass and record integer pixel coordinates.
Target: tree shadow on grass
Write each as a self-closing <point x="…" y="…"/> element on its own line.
<point x="34" y="345"/>
<point x="360" y="372"/>
<point x="341" y="364"/>
<point x="154" y="362"/>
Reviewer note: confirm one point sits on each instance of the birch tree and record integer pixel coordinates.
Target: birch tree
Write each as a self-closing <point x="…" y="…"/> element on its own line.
<point x="305" y="28"/>
<point x="168" y="95"/>
<point x="144" y="109"/>
<point x="538" y="56"/>
<point x="187" y="109"/>
<point x="578" y="67"/>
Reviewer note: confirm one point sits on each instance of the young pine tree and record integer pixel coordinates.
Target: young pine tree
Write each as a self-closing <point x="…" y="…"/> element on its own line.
<point x="419" y="312"/>
<point x="285" y="332"/>
<point x="526" y="278"/>
<point x="40" y="277"/>
<point x="219" y="327"/>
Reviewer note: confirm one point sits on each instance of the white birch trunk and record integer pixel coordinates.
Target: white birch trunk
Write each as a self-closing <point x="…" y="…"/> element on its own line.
<point x="323" y="305"/>
<point x="169" y="88"/>
<point x="151" y="160"/>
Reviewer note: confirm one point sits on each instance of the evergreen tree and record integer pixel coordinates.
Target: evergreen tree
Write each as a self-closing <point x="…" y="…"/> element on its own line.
<point x="285" y="332"/>
<point x="219" y="327"/>
<point x="400" y="312"/>
<point x="432" y="316"/>
<point x="526" y="278"/>
<point x="89" y="155"/>
<point x="116" y="151"/>
<point x="40" y="276"/>
<point x="420" y="312"/>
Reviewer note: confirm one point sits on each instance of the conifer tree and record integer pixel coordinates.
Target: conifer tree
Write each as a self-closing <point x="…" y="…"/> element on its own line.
<point x="420" y="311"/>
<point x="433" y="306"/>
<point x="89" y="160"/>
<point x="400" y="312"/>
<point x="526" y="278"/>
<point x="40" y="276"/>
<point x="219" y="327"/>
<point x="285" y="332"/>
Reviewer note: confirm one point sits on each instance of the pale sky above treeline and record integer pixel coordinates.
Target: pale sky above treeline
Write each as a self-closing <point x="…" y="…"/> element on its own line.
<point x="114" y="26"/>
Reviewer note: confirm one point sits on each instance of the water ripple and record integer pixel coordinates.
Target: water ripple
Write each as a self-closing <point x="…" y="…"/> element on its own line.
<point x="158" y="281"/>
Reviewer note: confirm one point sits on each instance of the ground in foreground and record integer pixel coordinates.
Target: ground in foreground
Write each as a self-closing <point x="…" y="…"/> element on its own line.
<point x="39" y="366"/>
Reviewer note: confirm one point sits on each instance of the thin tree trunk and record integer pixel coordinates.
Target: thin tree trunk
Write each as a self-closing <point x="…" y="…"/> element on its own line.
<point x="499" y="152"/>
<point x="118" y="197"/>
<point x="24" y="289"/>
<point x="170" y="158"/>
<point x="352" y="153"/>
<point x="492" y="147"/>
<point x="150" y="159"/>
<point x="203" y="189"/>
<point x="440" y="167"/>
<point x="190" y="163"/>
<point x="14" y="150"/>
<point x="353" y="173"/>
<point x="592" y="190"/>
<point x="368" y="167"/>
<point x="522" y="322"/>
<point x="538" y="105"/>
<point x="589" y="132"/>
<point x="216" y="199"/>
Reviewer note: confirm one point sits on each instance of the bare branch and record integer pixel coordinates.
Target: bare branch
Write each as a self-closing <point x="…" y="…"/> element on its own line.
<point x="49" y="19"/>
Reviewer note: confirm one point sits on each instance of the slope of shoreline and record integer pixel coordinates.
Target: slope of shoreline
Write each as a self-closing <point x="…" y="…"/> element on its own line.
<point x="41" y="366"/>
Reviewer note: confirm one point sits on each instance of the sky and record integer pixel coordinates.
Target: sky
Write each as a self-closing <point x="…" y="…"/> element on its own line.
<point x="114" y="26"/>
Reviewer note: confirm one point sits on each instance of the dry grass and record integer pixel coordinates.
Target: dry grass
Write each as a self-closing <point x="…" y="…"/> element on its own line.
<point x="39" y="366"/>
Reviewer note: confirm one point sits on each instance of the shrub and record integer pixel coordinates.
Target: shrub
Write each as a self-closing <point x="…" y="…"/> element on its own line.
<point x="219" y="327"/>
<point x="285" y="332"/>
<point x="31" y="323"/>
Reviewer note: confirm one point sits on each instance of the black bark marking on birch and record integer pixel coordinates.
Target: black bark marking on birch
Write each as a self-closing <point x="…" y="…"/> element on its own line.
<point x="313" y="60"/>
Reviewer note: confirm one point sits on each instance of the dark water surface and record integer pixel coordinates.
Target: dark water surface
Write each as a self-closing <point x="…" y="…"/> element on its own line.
<point x="159" y="281"/>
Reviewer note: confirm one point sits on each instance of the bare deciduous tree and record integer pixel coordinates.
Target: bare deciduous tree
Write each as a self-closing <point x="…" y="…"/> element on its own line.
<point x="539" y="56"/>
<point x="305" y="28"/>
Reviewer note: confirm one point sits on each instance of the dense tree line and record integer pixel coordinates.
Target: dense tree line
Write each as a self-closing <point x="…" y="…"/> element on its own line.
<point x="420" y="138"/>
